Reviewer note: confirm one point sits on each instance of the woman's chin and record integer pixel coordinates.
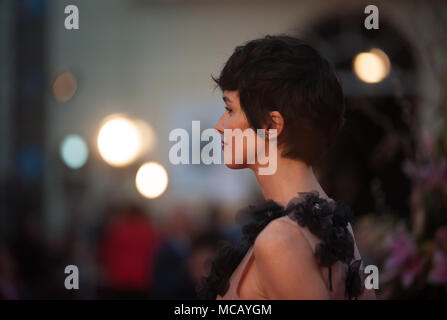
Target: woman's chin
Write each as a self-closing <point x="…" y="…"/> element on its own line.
<point x="236" y="166"/>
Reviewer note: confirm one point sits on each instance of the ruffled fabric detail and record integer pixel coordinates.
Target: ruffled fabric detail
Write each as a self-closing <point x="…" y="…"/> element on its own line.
<point x="326" y="220"/>
<point x="252" y="220"/>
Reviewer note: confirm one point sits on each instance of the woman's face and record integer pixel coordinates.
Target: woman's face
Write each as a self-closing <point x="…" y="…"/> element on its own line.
<point x="235" y="118"/>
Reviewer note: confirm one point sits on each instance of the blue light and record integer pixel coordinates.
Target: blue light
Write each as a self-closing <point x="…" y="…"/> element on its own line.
<point x="74" y="151"/>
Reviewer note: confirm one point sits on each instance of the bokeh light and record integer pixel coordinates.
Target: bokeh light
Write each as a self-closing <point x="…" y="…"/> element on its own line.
<point x="372" y="66"/>
<point x="151" y="180"/>
<point x="119" y="141"/>
<point x="74" y="151"/>
<point x="148" y="135"/>
<point x="64" y="87"/>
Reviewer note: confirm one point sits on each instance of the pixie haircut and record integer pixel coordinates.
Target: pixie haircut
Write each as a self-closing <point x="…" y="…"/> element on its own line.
<point x="285" y="74"/>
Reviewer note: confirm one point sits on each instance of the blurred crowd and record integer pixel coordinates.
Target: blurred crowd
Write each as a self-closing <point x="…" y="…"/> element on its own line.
<point x="128" y="254"/>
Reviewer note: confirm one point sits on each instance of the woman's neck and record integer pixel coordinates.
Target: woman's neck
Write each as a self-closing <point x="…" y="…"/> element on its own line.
<point x="291" y="177"/>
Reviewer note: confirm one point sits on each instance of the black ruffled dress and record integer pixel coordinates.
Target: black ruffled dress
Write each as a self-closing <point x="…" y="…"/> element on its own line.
<point x="326" y="220"/>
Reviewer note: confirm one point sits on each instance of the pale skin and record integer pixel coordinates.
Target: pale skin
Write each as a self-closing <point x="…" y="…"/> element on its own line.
<point x="292" y="176"/>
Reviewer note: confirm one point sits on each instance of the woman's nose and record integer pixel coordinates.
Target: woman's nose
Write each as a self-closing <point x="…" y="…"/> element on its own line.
<point x="219" y="125"/>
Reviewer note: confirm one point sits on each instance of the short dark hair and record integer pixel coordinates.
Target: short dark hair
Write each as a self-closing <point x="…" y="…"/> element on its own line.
<point x="286" y="74"/>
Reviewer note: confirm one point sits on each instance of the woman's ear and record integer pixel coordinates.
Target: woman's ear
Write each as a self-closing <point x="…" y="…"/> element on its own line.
<point x="277" y="122"/>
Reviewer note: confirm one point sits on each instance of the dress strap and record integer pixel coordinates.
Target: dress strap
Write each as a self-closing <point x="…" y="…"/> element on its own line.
<point x="243" y="269"/>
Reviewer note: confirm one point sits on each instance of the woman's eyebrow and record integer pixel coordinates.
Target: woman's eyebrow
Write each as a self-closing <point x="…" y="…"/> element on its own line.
<point x="226" y="99"/>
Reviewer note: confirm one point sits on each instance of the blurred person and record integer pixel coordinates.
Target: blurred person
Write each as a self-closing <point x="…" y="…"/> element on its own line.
<point x="187" y="271"/>
<point x="216" y="225"/>
<point x="198" y="264"/>
<point x="29" y="248"/>
<point x="127" y="253"/>
<point x="169" y="270"/>
<point x="25" y="255"/>
<point x="299" y="243"/>
<point x="9" y="280"/>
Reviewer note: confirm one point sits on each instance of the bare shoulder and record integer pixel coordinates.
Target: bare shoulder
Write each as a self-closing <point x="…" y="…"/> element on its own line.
<point x="278" y="231"/>
<point x="282" y="237"/>
<point x="285" y="263"/>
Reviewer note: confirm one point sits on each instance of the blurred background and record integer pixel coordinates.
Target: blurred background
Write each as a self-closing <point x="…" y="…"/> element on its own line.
<point x="85" y="117"/>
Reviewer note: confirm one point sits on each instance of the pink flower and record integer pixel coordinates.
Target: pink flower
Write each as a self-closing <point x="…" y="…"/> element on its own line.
<point x="438" y="274"/>
<point x="403" y="260"/>
<point x="401" y="247"/>
<point x="431" y="174"/>
<point x="441" y="236"/>
<point x="428" y="143"/>
<point x="412" y="269"/>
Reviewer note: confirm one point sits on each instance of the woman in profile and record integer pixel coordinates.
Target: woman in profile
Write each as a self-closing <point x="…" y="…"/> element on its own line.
<point x="298" y="244"/>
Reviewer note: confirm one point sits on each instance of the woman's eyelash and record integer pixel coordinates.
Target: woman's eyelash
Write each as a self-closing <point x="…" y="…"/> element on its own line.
<point x="228" y="109"/>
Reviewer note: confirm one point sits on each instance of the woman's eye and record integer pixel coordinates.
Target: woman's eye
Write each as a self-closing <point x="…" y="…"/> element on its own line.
<point x="228" y="109"/>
